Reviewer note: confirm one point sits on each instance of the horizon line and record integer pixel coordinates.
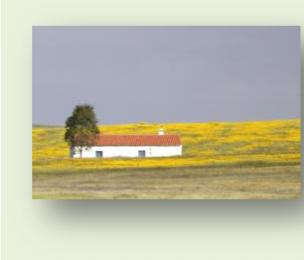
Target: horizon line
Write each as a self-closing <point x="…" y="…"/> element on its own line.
<point x="172" y="122"/>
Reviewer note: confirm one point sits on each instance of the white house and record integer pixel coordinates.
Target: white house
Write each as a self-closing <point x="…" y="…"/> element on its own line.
<point x="160" y="145"/>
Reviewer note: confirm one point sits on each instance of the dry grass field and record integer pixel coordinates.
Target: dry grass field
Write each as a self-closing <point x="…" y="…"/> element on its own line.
<point x="246" y="160"/>
<point x="171" y="183"/>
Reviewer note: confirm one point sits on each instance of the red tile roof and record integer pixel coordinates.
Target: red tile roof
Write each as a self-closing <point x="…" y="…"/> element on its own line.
<point x="138" y="140"/>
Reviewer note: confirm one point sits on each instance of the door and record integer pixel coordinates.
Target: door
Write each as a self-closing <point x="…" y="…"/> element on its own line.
<point x="99" y="154"/>
<point x="141" y="153"/>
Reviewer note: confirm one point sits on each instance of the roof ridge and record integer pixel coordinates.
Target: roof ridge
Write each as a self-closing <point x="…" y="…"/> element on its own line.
<point x="141" y="134"/>
<point x="138" y="140"/>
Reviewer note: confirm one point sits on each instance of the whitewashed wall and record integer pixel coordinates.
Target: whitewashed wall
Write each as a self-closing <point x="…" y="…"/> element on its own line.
<point x="128" y="151"/>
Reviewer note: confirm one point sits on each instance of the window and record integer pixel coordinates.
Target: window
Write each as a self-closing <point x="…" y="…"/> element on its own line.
<point x="99" y="154"/>
<point x="141" y="153"/>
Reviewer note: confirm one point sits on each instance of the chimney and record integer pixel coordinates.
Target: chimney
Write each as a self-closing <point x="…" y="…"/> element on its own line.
<point x="161" y="131"/>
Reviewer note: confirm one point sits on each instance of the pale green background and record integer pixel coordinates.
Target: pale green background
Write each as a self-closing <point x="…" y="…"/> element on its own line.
<point x="141" y="229"/>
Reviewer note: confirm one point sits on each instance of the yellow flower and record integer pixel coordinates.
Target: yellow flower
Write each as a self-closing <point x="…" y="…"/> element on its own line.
<point x="204" y="144"/>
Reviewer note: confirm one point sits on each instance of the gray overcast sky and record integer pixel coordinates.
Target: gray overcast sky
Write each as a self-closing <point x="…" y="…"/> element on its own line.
<point x="166" y="74"/>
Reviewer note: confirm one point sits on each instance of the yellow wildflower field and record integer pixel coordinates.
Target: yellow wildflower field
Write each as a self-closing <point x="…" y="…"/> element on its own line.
<point x="213" y="144"/>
